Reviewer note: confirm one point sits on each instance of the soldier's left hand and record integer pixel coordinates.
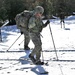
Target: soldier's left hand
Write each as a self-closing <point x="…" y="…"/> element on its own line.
<point x="47" y="22"/>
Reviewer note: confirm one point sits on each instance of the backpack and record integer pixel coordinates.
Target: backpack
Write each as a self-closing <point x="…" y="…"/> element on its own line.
<point x="22" y="19"/>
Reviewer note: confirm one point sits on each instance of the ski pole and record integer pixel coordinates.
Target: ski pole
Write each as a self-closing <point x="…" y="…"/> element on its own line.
<point x="7" y="21"/>
<point x="41" y="35"/>
<point x="42" y="56"/>
<point x="53" y="41"/>
<point x="13" y="43"/>
<point x="20" y="43"/>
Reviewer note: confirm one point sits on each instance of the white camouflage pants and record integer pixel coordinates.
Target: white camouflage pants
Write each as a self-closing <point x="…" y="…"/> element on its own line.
<point x="26" y="36"/>
<point x="35" y="37"/>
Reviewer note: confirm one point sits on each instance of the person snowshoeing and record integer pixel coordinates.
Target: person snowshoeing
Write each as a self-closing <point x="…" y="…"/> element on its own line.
<point x="35" y="27"/>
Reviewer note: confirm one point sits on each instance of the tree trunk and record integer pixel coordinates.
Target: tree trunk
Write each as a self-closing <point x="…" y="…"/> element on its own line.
<point x="0" y="36"/>
<point x="0" y="30"/>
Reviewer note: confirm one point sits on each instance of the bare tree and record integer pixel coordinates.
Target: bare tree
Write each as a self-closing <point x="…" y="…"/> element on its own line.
<point x="0" y="31"/>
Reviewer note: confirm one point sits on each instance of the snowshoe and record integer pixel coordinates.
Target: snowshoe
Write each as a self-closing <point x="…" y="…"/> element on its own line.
<point x="34" y="61"/>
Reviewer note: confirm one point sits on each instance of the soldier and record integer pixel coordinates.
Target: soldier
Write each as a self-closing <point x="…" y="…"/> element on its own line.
<point x="35" y="27"/>
<point x="21" y="22"/>
<point x="62" y="17"/>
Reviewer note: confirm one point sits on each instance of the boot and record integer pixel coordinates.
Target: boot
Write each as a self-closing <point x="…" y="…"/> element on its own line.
<point x="38" y="62"/>
<point x="32" y="58"/>
<point x="26" y="48"/>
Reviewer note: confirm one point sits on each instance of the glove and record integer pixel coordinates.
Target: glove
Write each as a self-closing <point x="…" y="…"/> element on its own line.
<point x="21" y="32"/>
<point x="47" y="22"/>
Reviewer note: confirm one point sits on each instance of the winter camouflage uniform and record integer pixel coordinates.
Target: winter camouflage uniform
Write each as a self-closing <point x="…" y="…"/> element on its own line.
<point x="35" y="27"/>
<point x="26" y="36"/>
<point x="22" y="25"/>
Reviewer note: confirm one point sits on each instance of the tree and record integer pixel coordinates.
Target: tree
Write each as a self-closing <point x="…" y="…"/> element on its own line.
<point x="66" y="6"/>
<point x="2" y="11"/>
<point x="9" y="8"/>
<point x="47" y="4"/>
<point x="0" y="31"/>
<point x="13" y="7"/>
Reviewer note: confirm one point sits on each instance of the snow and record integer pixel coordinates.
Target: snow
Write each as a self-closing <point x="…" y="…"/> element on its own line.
<point x="70" y="17"/>
<point x="64" y="40"/>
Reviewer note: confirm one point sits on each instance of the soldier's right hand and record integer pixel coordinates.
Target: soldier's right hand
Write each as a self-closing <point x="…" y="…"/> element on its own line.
<point x="47" y="22"/>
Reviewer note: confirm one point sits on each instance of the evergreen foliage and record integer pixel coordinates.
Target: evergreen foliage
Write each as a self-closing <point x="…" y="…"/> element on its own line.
<point x="9" y="8"/>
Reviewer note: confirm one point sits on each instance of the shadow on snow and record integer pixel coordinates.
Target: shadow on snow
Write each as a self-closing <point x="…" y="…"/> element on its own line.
<point x="38" y="69"/>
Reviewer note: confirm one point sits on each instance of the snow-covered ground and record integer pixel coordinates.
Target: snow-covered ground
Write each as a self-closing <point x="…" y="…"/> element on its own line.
<point x="64" y="40"/>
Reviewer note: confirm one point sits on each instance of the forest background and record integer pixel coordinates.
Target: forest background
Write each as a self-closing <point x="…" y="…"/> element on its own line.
<point x="10" y="8"/>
